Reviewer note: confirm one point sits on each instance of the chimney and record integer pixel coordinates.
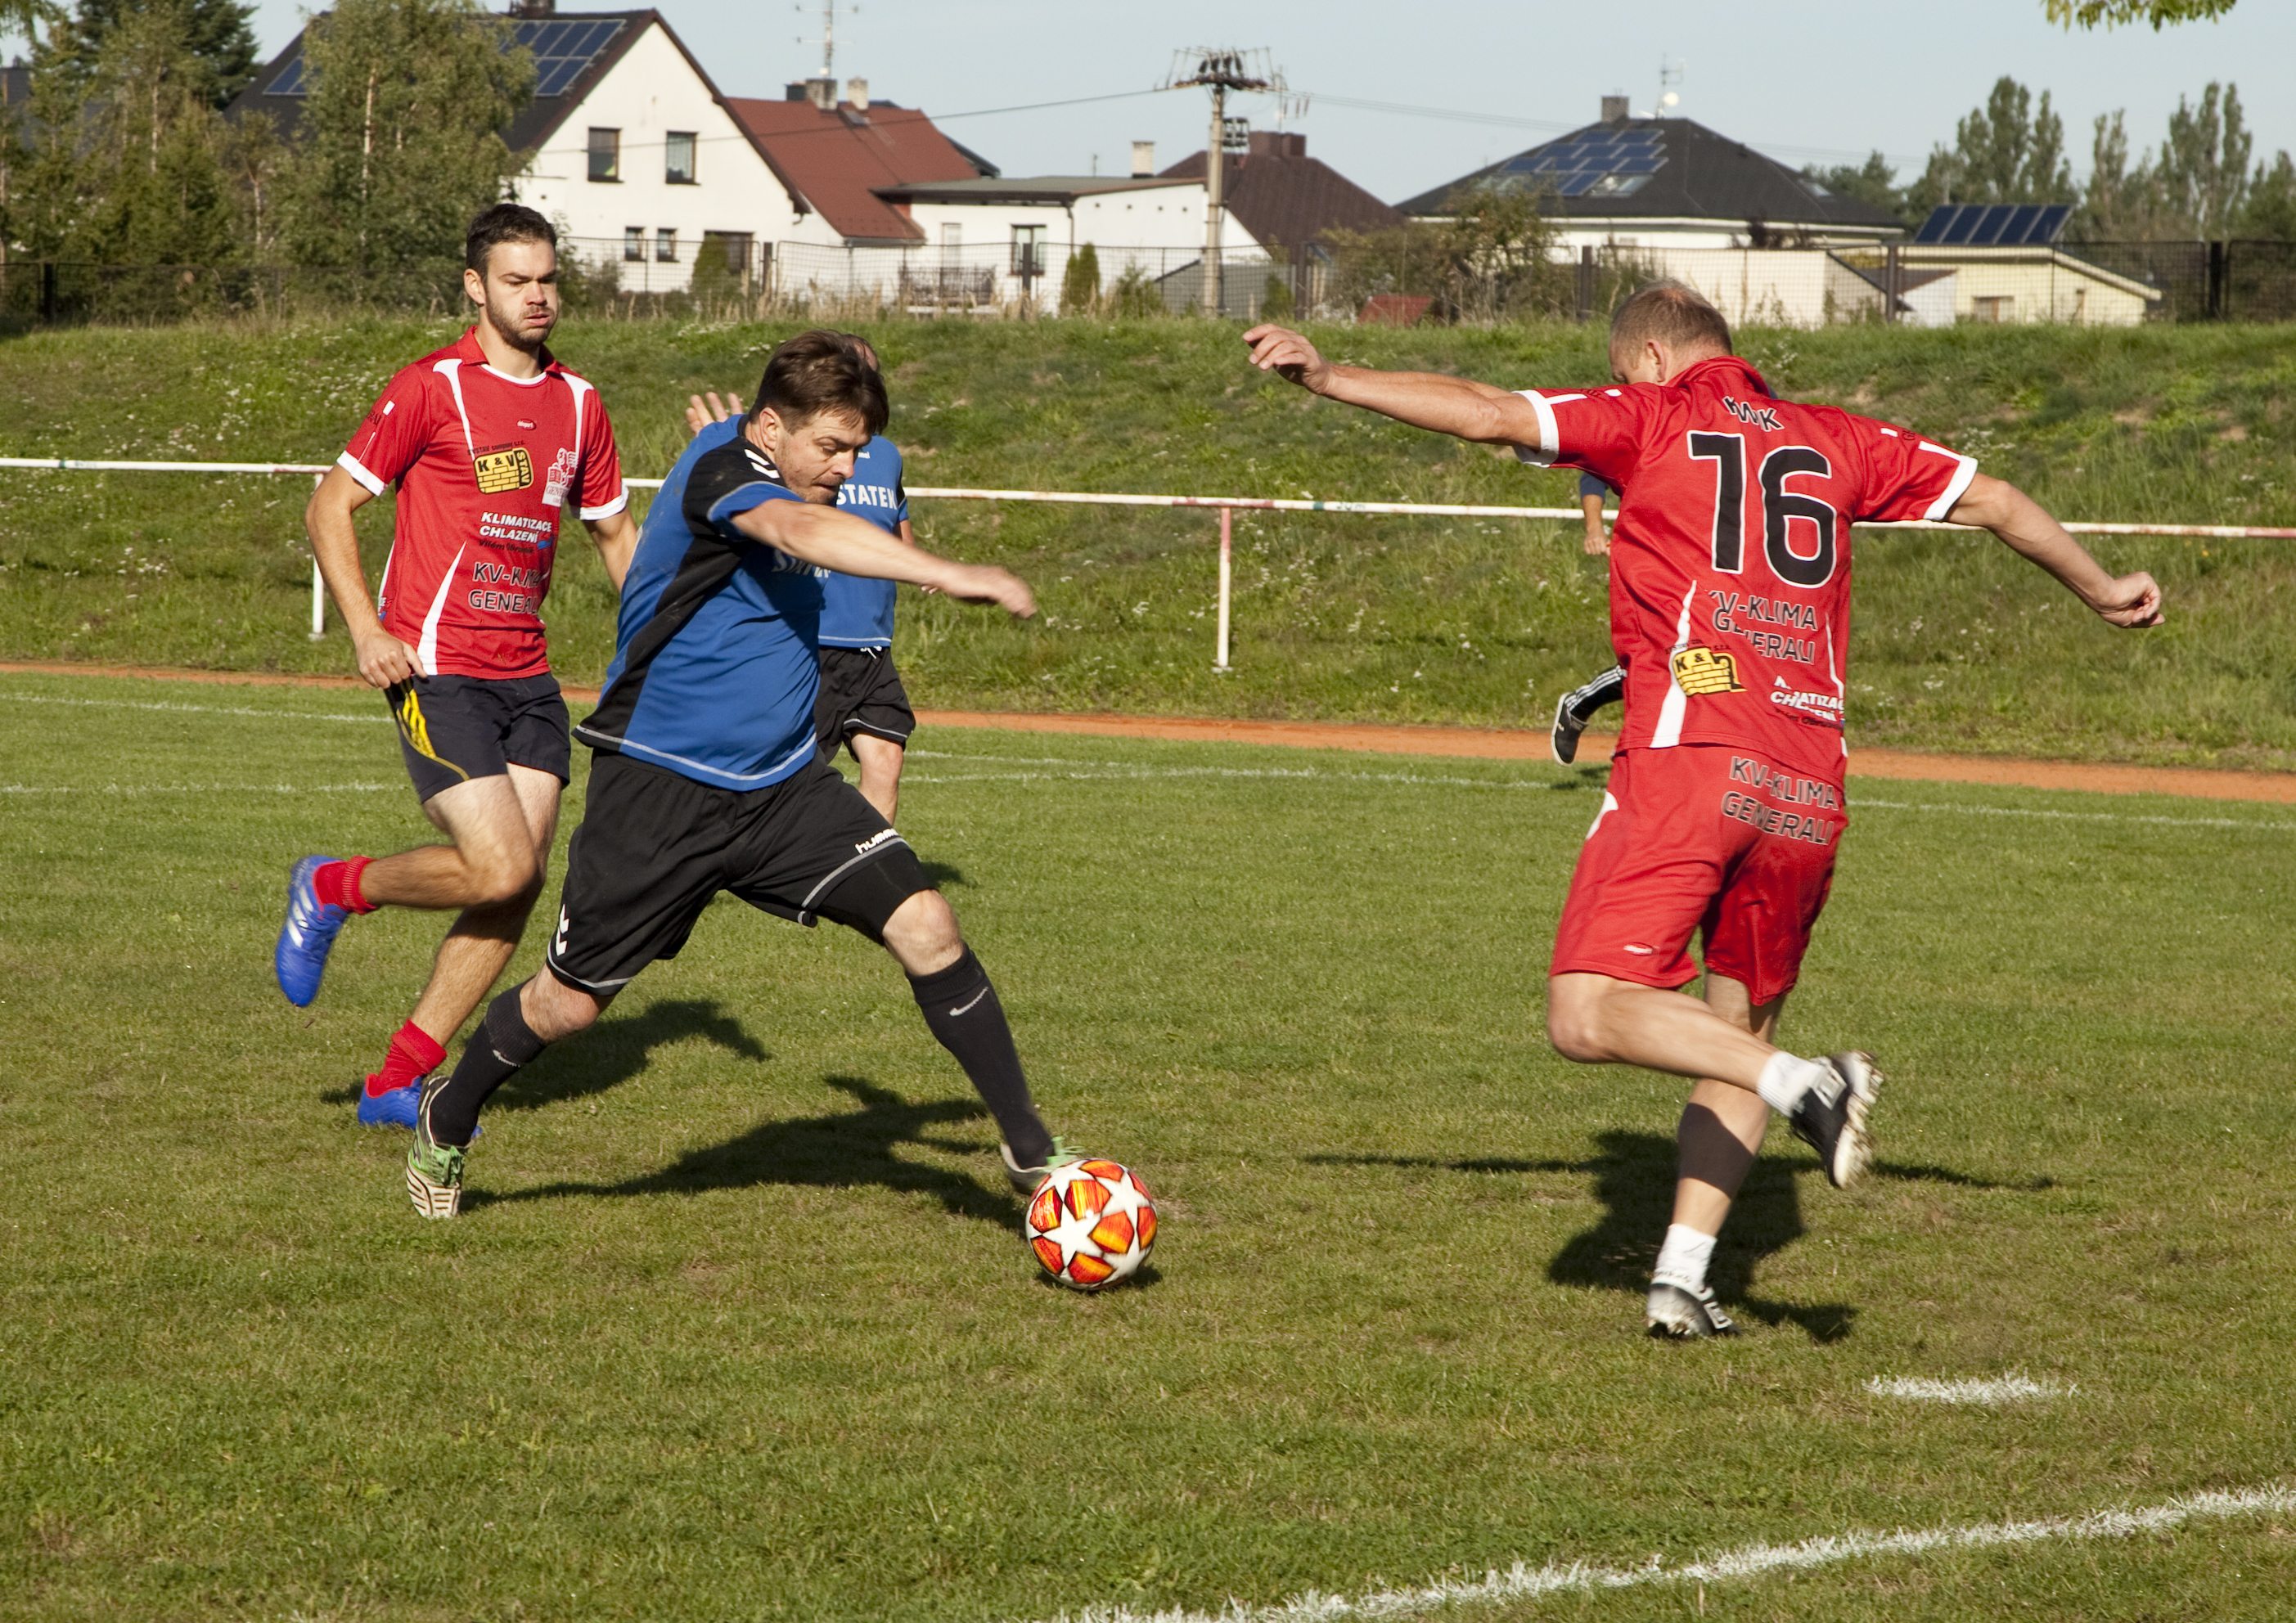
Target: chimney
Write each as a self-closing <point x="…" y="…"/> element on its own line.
<point x="1277" y="143"/>
<point x="821" y="92"/>
<point x="533" y="8"/>
<point x="856" y="92"/>
<point x="1143" y="160"/>
<point x="1614" y="109"/>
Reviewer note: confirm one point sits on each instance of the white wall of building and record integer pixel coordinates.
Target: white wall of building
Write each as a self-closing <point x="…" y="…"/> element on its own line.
<point x="650" y="93"/>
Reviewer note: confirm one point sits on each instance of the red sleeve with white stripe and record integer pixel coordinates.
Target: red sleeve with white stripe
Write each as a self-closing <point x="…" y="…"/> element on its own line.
<point x="604" y="494"/>
<point x="392" y="439"/>
<point x="1600" y="431"/>
<point x="1906" y="476"/>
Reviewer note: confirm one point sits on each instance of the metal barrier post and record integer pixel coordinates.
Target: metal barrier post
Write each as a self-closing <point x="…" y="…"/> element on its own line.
<point x="318" y="590"/>
<point x="1226" y="578"/>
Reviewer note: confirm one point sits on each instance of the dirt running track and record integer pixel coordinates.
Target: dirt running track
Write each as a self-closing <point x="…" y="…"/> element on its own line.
<point x="1480" y="744"/>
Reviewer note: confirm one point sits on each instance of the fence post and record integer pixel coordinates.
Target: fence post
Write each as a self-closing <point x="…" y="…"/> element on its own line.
<point x="2217" y="280"/>
<point x="1890" y="284"/>
<point x="318" y="589"/>
<point x="1586" y="282"/>
<point x="1227" y="574"/>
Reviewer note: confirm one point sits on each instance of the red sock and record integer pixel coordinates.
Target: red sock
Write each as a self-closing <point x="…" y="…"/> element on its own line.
<point x="411" y="1054"/>
<point x="337" y="884"/>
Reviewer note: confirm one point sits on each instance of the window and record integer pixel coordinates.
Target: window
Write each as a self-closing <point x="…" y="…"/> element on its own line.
<point x="605" y="154"/>
<point x="732" y="247"/>
<point x="679" y="169"/>
<point x="634" y="243"/>
<point x="952" y="239"/>
<point x="665" y="245"/>
<point x="2000" y="307"/>
<point x="1028" y="251"/>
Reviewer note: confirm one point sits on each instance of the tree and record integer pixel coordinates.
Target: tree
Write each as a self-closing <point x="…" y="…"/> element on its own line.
<point x="2203" y="172"/>
<point x="400" y="143"/>
<point x="1873" y="182"/>
<point x="1490" y="261"/>
<point x="216" y="31"/>
<point x="125" y="165"/>
<point x="2005" y="152"/>
<point x="2113" y="13"/>
<point x="2121" y="203"/>
<point x="1080" y="282"/>
<point x="2270" y="210"/>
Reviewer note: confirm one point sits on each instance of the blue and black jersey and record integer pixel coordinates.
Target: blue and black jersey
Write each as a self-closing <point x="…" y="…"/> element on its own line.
<point x="717" y="656"/>
<point x="856" y="611"/>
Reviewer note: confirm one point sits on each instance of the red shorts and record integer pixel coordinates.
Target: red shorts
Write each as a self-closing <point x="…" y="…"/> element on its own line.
<point x="1707" y="837"/>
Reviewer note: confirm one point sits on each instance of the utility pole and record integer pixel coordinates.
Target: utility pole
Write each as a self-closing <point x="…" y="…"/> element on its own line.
<point x="1220" y="70"/>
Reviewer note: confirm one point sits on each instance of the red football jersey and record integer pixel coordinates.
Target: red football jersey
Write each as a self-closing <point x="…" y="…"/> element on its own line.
<point x="1730" y="561"/>
<point x="484" y="464"/>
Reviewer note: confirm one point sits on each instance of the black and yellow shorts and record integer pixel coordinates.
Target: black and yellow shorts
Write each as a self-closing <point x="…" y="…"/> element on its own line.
<point x="451" y="729"/>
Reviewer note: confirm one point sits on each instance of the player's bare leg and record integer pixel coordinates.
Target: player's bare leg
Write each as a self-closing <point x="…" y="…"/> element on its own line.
<point x="881" y="762"/>
<point x="491" y="861"/>
<point x="1722" y="1126"/>
<point x="1598" y="1019"/>
<point x="483" y="939"/>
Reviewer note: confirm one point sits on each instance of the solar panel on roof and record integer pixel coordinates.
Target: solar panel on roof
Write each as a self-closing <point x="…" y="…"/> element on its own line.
<point x="563" y="49"/>
<point x="1993" y="224"/>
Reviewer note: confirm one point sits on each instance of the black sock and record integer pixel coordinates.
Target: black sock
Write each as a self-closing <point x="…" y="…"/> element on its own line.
<point x="503" y="1043"/>
<point x="962" y="1011"/>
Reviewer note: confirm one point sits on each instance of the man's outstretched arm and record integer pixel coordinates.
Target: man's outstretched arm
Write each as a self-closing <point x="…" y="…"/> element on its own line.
<point x="1443" y="405"/>
<point x="2025" y="526"/>
<point x="853" y="546"/>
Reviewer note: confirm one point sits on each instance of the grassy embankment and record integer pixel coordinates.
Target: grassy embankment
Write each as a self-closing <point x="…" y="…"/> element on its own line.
<point x="1959" y="647"/>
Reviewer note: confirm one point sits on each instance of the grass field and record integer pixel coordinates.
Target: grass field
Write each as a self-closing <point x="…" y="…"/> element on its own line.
<point x="738" y="1324"/>
<point x="1959" y="647"/>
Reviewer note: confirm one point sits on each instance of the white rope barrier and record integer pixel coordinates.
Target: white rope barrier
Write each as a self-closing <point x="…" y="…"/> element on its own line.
<point x="1228" y="505"/>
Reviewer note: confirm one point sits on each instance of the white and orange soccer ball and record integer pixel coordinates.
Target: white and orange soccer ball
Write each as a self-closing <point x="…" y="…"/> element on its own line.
<point x="1091" y="1224"/>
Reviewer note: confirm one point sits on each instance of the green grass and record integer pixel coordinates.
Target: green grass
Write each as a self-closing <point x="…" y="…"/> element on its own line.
<point x="1960" y="645"/>
<point x="738" y="1324"/>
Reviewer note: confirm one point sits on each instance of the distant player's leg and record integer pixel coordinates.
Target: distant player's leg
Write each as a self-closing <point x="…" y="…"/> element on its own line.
<point x="1721" y="1132"/>
<point x="476" y="951"/>
<point x="1576" y="708"/>
<point x="881" y="762"/>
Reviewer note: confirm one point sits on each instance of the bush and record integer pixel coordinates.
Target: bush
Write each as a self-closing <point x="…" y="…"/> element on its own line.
<point x="1135" y="296"/>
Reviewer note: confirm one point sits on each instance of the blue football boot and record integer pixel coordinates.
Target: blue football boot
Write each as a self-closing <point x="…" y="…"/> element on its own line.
<point x="395" y="1108"/>
<point x="300" y="957"/>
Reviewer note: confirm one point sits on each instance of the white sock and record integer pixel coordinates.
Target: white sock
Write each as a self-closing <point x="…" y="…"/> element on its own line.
<point x="1787" y="1078"/>
<point x="1684" y="1256"/>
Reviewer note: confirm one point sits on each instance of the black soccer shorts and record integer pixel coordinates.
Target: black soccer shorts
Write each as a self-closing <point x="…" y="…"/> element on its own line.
<point x="654" y="848"/>
<point x="451" y="729"/>
<point x="860" y="692"/>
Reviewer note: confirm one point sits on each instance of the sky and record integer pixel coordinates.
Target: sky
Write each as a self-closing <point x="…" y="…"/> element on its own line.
<point x="1806" y="82"/>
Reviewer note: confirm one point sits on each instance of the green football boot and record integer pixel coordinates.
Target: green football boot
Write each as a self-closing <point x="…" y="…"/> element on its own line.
<point x="1025" y="1179"/>
<point x="434" y="1171"/>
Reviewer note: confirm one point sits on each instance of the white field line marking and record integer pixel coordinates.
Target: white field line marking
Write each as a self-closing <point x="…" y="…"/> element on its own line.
<point x="1524" y="1583"/>
<point x="197" y="789"/>
<point x="194" y="709"/>
<point x="1083" y="770"/>
<point x="2006" y="1388"/>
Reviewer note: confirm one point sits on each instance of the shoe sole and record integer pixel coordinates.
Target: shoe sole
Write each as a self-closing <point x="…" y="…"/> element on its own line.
<point x="433" y="1200"/>
<point x="1561" y="739"/>
<point x="1853" y="1152"/>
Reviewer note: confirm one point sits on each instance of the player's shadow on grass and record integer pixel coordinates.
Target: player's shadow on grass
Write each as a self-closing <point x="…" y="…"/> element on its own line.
<point x="609" y="1055"/>
<point x="838" y="1150"/>
<point x="944" y="875"/>
<point x="1634" y="1181"/>
<point x="614" y="1051"/>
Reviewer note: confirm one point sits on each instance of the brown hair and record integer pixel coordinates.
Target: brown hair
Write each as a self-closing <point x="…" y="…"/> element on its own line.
<point x="503" y="223"/>
<point x="1676" y="315"/>
<point x="819" y="371"/>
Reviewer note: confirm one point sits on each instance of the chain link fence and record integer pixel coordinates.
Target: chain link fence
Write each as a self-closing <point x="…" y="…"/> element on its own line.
<point x="731" y="275"/>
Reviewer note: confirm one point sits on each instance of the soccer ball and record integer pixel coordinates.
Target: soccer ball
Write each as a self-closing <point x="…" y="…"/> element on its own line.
<point x="1091" y="1224"/>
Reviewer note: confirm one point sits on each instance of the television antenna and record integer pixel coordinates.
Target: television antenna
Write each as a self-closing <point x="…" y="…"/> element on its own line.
<point x="1670" y="85"/>
<point x="1221" y="70"/>
<point x="828" y="40"/>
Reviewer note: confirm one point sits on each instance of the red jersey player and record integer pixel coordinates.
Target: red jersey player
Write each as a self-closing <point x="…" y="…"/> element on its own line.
<point x="489" y="441"/>
<point x="1730" y="611"/>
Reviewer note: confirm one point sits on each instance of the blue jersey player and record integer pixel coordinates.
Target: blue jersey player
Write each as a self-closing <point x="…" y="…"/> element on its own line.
<point x="863" y="705"/>
<point x="707" y="776"/>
